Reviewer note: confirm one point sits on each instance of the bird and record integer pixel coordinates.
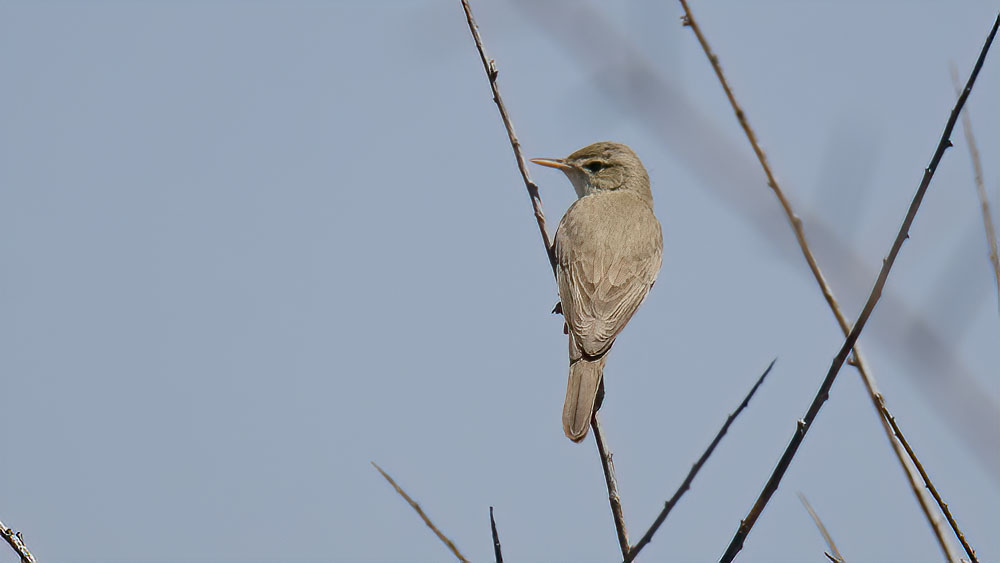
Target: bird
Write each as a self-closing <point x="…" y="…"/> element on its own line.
<point x="608" y="250"/>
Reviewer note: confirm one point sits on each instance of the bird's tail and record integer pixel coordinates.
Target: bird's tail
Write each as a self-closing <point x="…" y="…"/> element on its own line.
<point x="581" y="391"/>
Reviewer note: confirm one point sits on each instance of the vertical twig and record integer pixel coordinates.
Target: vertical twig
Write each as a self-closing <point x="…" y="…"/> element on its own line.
<point x="612" y="482"/>
<point x="878" y="402"/>
<point x="489" y="65"/>
<point x="823" y="531"/>
<point x="669" y="505"/>
<point x="977" y="170"/>
<point x="424" y="516"/>
<point x="16" y="543"/>
<point x="497" y="555"/>
<point x="821" y="396"/>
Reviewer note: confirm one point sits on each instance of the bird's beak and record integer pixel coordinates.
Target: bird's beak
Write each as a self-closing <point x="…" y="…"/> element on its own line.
<point x="553" y="163"/>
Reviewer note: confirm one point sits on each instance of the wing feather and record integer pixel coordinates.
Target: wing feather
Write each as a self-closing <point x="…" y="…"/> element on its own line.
<point x="609" y="249"/>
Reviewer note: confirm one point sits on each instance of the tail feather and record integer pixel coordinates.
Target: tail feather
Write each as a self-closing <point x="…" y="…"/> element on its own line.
<point x="581" y="392"/>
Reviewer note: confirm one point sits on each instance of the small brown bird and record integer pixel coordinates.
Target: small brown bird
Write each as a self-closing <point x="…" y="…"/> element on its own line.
<point x="609" y="247"/>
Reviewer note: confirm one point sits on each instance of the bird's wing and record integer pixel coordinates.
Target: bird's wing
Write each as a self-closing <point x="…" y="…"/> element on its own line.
<point x="609" y="250"/>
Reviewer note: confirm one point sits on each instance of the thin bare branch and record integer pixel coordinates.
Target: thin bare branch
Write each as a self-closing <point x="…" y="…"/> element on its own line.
<point x="878" y="401"/>
<point x="821" y="396"/>
<point x="423" y="515"/>
<point x="977" y="170"/>
<point x="669" y="505"/>
<point x="609" y="476"/>
<point x="491" y="73"/>
<point x="16" y="543"/>
<point x="489" y="65"/>
<point x="498" y="556"/>
<point x="822" y="530"/>
<point x="832" y="558"/>
<point x="933" y="490"/>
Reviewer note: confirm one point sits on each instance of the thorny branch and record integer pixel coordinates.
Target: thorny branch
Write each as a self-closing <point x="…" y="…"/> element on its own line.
<point x="803" y="425"/>
<point x="16" y="543"/>
<point x="424" y="516"/>
<point x="878" y="401"/>
<point x="933" y="490"/>
<point x="686" y="484"/>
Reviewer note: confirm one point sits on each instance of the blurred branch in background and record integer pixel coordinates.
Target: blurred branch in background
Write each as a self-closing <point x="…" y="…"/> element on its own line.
<point x="977" y="170"/>
<point x="489" y="65"/>
<point x="420" y="511"/>
<point x="823" y="394"/>
<point x="16" y="543"/>
<point x="878" y="401"/>
<point x="686" y="484"/>
<point x="823" y="531"/>
<point x="639" y="88"/>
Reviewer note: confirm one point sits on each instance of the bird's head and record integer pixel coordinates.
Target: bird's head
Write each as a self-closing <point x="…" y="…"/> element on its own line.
<point x="600" y="167"/>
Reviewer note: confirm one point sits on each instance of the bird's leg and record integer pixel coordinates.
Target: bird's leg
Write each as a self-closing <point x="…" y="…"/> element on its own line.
<point x="600" y="397"/>
<point x="557" y="310"/>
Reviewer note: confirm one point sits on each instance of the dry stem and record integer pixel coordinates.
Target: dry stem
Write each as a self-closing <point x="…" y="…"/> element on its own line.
<point x="930" y="487"/>
<point x="420" y="511"/>
<point x="803" y="425"/>
<point x="822" y="530"/>
<point x="977" y="170"/>
<point x="489" y="65"/>
<point x="498" y="556"/>
<point x="16" y="543"/>
<point x="609" y="476"/>
<point x="878" y="401"/>
<point x="491" y="72"/>
<point x="669" y="505"/>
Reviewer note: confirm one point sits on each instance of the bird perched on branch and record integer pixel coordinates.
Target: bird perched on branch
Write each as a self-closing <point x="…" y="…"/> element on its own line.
<point x="608" y="248"/>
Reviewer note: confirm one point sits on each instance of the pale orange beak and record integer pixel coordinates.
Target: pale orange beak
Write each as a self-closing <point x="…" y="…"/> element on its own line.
<point x="552" y="163"/>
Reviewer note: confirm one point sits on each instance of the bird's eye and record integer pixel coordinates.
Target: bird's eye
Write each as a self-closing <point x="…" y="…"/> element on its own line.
<point x="594" y="165"/>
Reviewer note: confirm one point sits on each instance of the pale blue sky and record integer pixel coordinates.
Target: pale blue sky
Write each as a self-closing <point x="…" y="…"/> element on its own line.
<point x="248" y="247"/>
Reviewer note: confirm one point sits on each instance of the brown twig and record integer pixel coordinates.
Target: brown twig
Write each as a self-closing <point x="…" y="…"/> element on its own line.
<point x="878" y="402"/>
<point x="491" y="72"/>
<point x="17" y="543"/>
<point x="423" y="515"/>
<point x="609" y="476"/>
<point x="930" y="487"/>
<point x="669" y="505"/>
<point x="498" y="556"/>
<point x="821" y="396"/>
<point x="822" y="530"/>
<point x="977" y="170"/>
<point x="489" y="65"/>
